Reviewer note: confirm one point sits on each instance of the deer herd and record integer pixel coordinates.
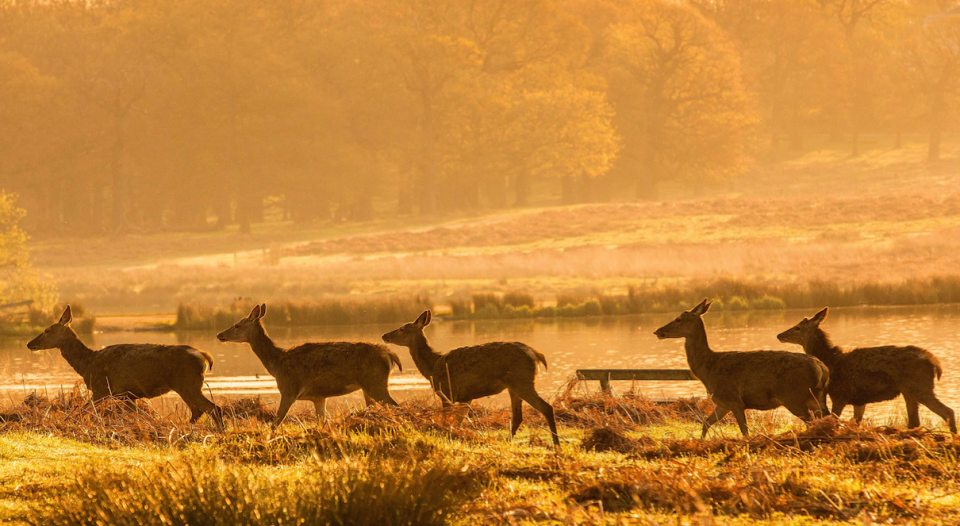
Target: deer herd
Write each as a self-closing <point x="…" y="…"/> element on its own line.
<point x="735" y="381"/>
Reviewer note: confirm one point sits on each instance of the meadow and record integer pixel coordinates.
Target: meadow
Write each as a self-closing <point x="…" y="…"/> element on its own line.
<point x="882" y="228"/>
<point x="624" y="459"/>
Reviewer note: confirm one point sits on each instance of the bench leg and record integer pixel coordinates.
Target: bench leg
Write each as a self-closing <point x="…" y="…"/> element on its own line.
<point x="605" y="383"/>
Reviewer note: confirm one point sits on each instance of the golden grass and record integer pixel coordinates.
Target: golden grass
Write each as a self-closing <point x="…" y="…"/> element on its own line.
<point x="624" y="459"/>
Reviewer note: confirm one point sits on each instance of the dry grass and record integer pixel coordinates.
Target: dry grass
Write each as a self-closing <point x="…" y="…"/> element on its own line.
<point x="622" y="458"/>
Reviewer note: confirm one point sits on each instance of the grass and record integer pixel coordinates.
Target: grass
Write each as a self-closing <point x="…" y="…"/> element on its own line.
<point x="624" y="460"/>
<point x="322" y="312"/>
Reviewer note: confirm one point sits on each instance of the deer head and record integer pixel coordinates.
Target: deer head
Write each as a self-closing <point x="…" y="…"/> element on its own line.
<point x="55" y="335"/>
<point x="244" y="330"/>
<point x="801" y="333"/>
<point x="405" y="336"/>
<point x="685" y="324"/>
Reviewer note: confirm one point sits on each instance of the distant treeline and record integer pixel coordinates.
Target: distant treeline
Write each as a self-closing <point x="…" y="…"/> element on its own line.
<point x="141" y="115"/>
<point x="726" y="294"/>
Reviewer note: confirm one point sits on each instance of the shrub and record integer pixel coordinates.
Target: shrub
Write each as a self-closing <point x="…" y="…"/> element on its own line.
<point x="736" y="303"/>
<point x="767" y="303"/>
<point x="522" y="311"/>
<point x="548" y="311"/>
<point x="460" y="308"/>
<point x="484" y="299"/>
<point x="591" y="308"/>
<point x="519" y="299"/>
<point x="488" y="311"/>
<point x="611" y="305"/>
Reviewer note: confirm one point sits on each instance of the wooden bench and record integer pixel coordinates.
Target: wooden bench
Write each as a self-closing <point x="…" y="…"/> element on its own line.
<point x="604" y="376"/>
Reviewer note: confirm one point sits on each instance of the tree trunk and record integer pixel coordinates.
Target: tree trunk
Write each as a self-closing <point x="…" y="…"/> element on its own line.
<point x="586" y="189"/>
<point x="523" y="190"/>
<point x="568" y="192"/>
<point x="936" y="127"/>
<point x="648" y="187"/>
<point x="117" y="192"/>
<point x="796" y="140"/>
<point x="429" y="171"/>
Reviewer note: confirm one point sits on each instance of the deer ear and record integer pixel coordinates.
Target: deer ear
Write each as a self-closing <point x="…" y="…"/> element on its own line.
<point x="424" y="319"/>
<point x="818" y="317"/>
<point x="254" y="314"/>
<point x="263" y="310"/>
<point x="66" y="317"/>
<point x="700" y="308"/>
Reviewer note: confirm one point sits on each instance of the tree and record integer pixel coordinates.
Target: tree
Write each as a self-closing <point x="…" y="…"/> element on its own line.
<point x="675" y="83"/>
<point x="934" y="57"/>
<point x="18" y="280"/>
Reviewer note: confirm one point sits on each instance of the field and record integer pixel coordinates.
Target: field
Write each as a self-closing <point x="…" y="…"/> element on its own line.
<point x="881" y="219"/>
<point x="623" y="460"/>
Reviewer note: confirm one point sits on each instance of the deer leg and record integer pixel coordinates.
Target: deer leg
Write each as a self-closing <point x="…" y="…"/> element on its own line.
<point x="378" y="394"/>
<point x="934" y="404"/>
<point x="741" y="416"/>
<point x="320" y="406"/>
<point x="199" y="405"/>
<point x="913" y="411"/>
<point x="718" y="413"/>
<point x="285" y="402"/>
<point x="838" y="407"/>
<point x="822" y="407"/>
<point x="858" y="412"/>
<point x="531" y="397"/>
<point x="516" y="409"/>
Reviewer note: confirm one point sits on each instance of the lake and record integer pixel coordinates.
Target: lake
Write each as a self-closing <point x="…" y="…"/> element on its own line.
<point x="569" y="344"/>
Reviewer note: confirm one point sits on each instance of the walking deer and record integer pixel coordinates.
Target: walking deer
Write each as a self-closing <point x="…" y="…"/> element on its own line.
<point x="468" y="373"/>
<point x="873" y="374"/>
<point x="135" y="370"/>
<point x="317" y="371"/>
<point x="737" y="381"/>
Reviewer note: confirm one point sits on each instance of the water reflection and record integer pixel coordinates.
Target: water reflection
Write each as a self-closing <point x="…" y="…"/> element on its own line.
<point x="569" y="344"/>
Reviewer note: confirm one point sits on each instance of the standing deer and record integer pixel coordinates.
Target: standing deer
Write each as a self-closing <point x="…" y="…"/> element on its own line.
<point x="134" y="370"/>
<point x="873" y="374"/>
<point x="468" y="373"/>
<point x="737" y="381"/>
<point x="317" y="371"/>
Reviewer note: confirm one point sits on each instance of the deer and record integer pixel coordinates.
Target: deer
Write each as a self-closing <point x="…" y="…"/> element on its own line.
<point x="477" y="371"/>
<point x="317" y="371"/>
<point x="866" y="375"/>
<point x="134" y="370"/>
<point x="760" y="380"/>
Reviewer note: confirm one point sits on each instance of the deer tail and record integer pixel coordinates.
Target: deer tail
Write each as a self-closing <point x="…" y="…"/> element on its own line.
<point x="395" y="359"/>
<point x="208" y="358"/>
<point x="937" y="368"/>
<point x="540" y="358"/>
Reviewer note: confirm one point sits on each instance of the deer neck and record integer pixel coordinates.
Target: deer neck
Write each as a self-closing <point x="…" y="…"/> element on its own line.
<point x="78" y="355"/>
<point x="699" y="355"/>
<point x="424" y="356"/>
<point x="819" y="346"/>
<point x="265" y="349"/>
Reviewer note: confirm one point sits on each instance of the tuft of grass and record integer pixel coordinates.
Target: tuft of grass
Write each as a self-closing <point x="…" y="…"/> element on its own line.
<point x="344" y="493"/>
